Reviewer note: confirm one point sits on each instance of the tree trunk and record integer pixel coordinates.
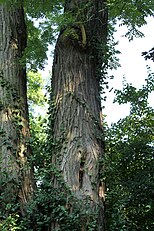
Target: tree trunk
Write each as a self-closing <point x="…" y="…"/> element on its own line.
<point x="77" y="103"/>
<point x="16" y="181"/>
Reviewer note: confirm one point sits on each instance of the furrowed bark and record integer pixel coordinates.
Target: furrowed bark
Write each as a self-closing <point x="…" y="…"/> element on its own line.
<point x="77" y="102"/>
<point x="16" y="184"/>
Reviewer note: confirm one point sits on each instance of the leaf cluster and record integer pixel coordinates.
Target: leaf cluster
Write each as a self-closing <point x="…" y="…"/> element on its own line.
<point x="149" y="54"/>
<point x="131" y="13"/>
<point x="36" y="88"/>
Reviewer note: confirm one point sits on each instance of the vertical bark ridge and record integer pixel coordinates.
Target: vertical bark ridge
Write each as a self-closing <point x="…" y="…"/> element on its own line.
<point x="77" y="115"/>
<point x="75" y="85"/>
<point x="77" y="104"/>
<point x="16" y="174"/>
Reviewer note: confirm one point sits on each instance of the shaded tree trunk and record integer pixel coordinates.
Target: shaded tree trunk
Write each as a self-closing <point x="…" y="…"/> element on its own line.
<point x="77" y="104"/>
<point x="16" y="180"/>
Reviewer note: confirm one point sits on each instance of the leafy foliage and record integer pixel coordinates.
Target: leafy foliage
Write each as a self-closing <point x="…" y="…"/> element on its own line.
<point x="129" y="153"/>
<point x="41" y="8"/>
<point x="35" y="52"/>
<point x="56" y="204"/>
<point x="129" y="162"/>
<point x="36" y="87"/>
<point x="11" y="223"/>
<point x="149" y="54"/>
<point x="131" y="14"/>
<point x="37" y="102"/>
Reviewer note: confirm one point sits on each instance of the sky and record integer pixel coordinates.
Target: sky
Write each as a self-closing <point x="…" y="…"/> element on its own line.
<point x="133" y="67"/>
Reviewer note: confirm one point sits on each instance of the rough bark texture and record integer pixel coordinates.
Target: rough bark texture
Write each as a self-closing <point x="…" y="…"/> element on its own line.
<point x="16" y="181"/>
<point x="75" y="84"/>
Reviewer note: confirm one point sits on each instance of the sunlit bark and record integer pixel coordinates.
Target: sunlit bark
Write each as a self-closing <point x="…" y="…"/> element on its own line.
<point x="76" y="96"/>
<point x="16" y="180"/>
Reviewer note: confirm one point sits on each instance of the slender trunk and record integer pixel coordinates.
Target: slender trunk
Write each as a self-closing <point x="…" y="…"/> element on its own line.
<point x="16" y="183"/>
<point x="76" y="95"/>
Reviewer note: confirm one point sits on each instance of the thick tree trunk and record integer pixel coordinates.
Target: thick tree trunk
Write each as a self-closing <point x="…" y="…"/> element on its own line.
<point x="76" y="95"/>
<point x="16" y="181"/>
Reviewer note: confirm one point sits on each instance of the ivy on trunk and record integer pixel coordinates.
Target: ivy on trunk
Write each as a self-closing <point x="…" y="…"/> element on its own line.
<point x="16" y="181"/>
<point x="77" y="124"/>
